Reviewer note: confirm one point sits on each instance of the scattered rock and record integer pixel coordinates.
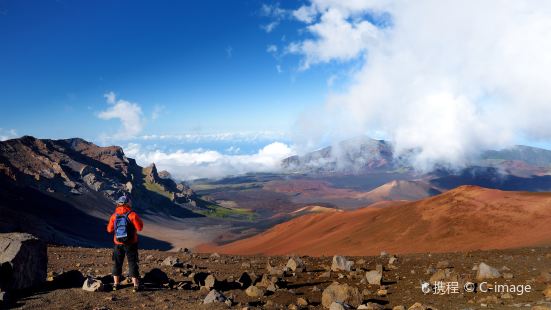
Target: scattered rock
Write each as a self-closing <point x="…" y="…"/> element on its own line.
<point x="371" y="306"/>
<point x="374" y="277"/>
<point x="547" y="291"/>
<point x="339" y="306"/>
<point x="214" y="256"/>
<point x="274" y="270"/>
<point x="68" y="279"/>
<point x="418" y="306"/>
<point x="295" y="264"/>
<point x="444" y="275"/>
<point x="172" y="262"/>
<point x="93" y="285"/>
<point x="156" y="277"/>
<point x="487" y="272"/>
<point x="23" y="261"/>
<point x="245" y="280"/>
<point x="507" y="275"/>
<point x="253" y="291"/>
<point x="343" y="293"/>
<point x="214" y="297"/>
<point x="382" y="292"/>
<point x="302" y="302"/>
<point x="506" y="296"/>
<point x="392" y="260"/>
<point x="400" y="307"/>
<point x="340" y="263"/>
<point x="210" y="282"/>
<point x="443" y="264"/>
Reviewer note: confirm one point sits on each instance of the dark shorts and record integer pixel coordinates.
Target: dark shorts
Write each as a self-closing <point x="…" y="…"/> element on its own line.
<point x="131" y="253"/>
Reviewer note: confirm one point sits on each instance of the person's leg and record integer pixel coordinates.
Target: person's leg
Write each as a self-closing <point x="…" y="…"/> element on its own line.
<point x="133" y="259"/>
<point x="118" y="259"/>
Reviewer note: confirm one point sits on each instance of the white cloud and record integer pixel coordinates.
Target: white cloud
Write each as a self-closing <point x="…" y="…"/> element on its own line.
<point x="245" y="136"/>
<point x="6" y="134"/>
<point x="157" y="111"/>
<point x="211" y="164"/>
<point x="130" y="115"/>
<point x="270" y="26"/>
<point x="272" y="49"/>
<point x="448" y="77"/>
<point x="276" y="15"/>
<point x="110" y="97"/>
<point x="336" y="37"/>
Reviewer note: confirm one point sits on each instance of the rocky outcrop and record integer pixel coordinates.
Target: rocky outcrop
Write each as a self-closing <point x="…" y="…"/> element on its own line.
<point x="23" y="261"/>
<point x="40" y="179"/>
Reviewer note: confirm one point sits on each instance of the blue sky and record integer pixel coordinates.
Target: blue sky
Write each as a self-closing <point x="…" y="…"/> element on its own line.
<point x="200" y="66"/>
<point x="211" y="88"/>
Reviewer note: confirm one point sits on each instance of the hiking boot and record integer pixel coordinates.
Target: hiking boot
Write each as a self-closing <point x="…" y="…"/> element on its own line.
<point x="115" y="287"/>
<point x="136" y="288"/>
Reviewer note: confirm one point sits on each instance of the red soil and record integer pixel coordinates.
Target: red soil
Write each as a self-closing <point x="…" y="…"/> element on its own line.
<point x="466" y="218"/>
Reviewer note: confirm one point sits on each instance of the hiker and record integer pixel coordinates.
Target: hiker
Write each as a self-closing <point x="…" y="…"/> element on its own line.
<point x="125" y="224"/>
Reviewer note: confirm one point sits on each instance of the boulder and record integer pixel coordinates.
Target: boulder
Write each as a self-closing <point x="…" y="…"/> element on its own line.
<point x="295" y="264"/>
<point x="156" y="277"/>
<point x="486" y="272"/>
<point x="214" y="296"/>
<point x="93" y="285"/>
<point x="374" y="277"/>
<point x="210" y="282"/>
<point x="340" y="263"/>
<point x="342" y="293"/>
<point x="214" y="256"/>
<point x="172" y="262"/>
<point x="68" y="279"/>
<point x="253" y="291"/>
<point x="23" y="261"/>
<point x="199" y="278"/>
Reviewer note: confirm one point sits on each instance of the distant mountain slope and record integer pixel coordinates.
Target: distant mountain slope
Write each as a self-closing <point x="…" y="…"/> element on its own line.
<point x="466" y="218"/>
<point x="63" y="190"/>
<point x="402" y="190"/>
<point x="364" y="155"/>
<point x="357" y="155"/>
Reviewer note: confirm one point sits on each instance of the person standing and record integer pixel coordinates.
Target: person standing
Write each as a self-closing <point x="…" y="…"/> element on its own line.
<point x="125" y="224"/>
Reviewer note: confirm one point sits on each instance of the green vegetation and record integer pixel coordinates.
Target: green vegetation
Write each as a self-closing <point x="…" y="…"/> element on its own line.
<point x="213" y="210"/>
<point x="154" y="187"/>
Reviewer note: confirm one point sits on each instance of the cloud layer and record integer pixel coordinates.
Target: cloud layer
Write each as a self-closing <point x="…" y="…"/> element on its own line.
<point x="447" y="77"/>
<point x="189" y="165"/>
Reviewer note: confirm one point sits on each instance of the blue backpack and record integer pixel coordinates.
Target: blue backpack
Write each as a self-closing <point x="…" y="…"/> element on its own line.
<point x="123" y="227"/>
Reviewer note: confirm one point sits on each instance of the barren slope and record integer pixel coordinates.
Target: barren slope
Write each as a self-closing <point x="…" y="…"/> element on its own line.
<point x="466" y="218"/>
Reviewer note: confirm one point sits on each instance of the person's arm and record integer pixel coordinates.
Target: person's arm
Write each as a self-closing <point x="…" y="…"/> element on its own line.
<point x="137" y="221"/>
<point x="111" y="225"/>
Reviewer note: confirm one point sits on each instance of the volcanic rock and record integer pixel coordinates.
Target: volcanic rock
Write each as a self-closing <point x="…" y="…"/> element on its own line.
<point x="23" y="261"/>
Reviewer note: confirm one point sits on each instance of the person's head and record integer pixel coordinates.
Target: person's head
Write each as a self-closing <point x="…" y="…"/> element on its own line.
<point x="123" y="200"/>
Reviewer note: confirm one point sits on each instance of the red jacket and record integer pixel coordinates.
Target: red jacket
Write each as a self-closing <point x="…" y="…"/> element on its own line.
<point x="132" y="216"/>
